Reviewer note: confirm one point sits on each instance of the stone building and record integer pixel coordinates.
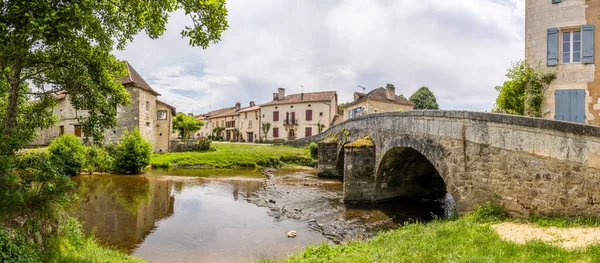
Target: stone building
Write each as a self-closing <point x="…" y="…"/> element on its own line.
<point x="299" y="115"/>
<point x="243" y="120"/>
<point x="152" y="116"/>
<point x="249" y="120"/>
<point x="377" y="100"/>
<point x="560" y="35"/>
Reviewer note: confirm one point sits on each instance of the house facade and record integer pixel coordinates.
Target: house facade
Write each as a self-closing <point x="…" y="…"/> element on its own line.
<point x="377" y="100"/>
<point x="249" y="123"/>
<point x="299" y="115"/>
<point x="152" y="116"/>
<point x="560" y="35"/>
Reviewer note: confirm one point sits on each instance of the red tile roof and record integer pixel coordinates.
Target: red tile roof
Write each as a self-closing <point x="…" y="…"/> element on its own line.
<point x="134" y="78"/>
<point x="304" y="97"/>
<point x="379" y="94"/>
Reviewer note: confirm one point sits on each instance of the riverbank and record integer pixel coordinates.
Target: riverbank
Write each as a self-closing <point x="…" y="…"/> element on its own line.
<point x="471" y="238"/>
<point x="232" y="155"/>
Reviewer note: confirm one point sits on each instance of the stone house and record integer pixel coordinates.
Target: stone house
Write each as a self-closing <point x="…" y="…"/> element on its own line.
<point x="244" y="120"/>
<point x="299" y="115"/>
<point x="560" y="35"/>
<point x="377" y="100"/>
<point x="249" y="123"/>
<point x="152" y="116"/>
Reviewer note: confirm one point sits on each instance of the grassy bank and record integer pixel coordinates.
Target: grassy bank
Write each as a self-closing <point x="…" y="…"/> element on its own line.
<point x="467" y="239"/>
<point x="231" y="155"/>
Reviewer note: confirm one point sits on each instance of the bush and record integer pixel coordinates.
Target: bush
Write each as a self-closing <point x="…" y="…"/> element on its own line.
<point x="68" y="154"/>
<point x="204" y="145"/>
<point x="314" y="150"/>
<point x="98" y="160"/>
<point x="133" y="153"/>
<point x="14" y="249"/>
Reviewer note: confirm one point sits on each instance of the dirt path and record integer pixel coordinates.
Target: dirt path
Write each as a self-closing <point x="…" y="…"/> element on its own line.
<point x="570" y="238"/>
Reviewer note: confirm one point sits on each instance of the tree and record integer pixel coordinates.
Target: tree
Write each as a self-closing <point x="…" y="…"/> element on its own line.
<point x="266" y="126"/>
<point x="186" y="125"/>
<point x="133" y="153"/>
<point x="51" y="45"/>
<point x="341" y="107"/>
<point x="424" y="99"/>
<point x="523" y="92"/>
<point x="320" y="126"/>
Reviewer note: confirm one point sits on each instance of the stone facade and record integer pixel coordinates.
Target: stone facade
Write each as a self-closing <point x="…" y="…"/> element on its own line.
<point x="328" y="160"/>
<point x="534" y="166"/>
<point x="143" y="112"/>
<point x="249" y="123"/>
<point x="377" y="100"/>
<point x="567" y="16"/>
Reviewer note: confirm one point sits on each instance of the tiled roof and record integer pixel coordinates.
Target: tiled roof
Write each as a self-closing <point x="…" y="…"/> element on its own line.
<point x="379" y="94"/>
<point x="306" y="97"/>
<point x="217" y="113"/>
<point x="253" y="108"/>
<point x="134" y="78"/>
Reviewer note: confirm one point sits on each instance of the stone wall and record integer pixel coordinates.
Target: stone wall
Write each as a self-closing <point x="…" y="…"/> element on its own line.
<point x="359" y="174"/>
<point x="533" y="165"/>
<point x="328" y="160"/>
<point x="162" y="129"/>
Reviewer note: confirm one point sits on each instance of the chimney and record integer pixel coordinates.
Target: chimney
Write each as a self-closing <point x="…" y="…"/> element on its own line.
<point x="302" y="96"/>
<point x="252" y="104"/>
<point x="390" y="92"/>
<point x="275" y="96"/>
<point x="281" y="93"/>
<point x="237" y="106"/>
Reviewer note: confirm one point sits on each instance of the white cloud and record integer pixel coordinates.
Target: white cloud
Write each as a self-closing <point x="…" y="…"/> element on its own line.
<point x="459" y="48"/>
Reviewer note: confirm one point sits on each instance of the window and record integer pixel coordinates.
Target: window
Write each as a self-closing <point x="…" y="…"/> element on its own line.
<point x="147" y="105"/>
<point x="309" y="115"/>
<point x="307" y="131"/>
<point x="275" y="116"/>
<point x="250" y="124"/>
<point x="275" y="132"/>
<point x="148" y="124"/>
<point x="61" y="130"/>
<point x="571" y="48"/>
<point x="320" y="114"/>
<point x="245" y="115"/>
<point x="77" y="130"/>
<point x="162" y="115"/>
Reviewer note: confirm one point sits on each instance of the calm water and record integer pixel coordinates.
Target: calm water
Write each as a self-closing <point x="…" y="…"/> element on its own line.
<point x="201" y="215"/>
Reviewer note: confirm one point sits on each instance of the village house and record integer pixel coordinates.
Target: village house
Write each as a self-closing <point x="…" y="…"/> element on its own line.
<point x="239" y="124"/>
<point x="560" y="36"/>
<point x="377" y="100"/>
<point x="249" y="120"/>
<point x="152" y="116"/>
<point x="299" y="115"/>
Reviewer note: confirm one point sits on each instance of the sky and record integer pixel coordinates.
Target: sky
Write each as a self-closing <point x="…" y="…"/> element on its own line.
<point x="460" y="49"/>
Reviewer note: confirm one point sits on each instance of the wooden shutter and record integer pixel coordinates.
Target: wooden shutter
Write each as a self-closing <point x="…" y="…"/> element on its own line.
<point x="287" y="117"/>
<point x="275" y="116"/>
<point x="275" y="132"/>
<point x="309" y="115"/>
<point x="77" y="130"/>
<point x="293" y="117"/>
<point x="307" y="131"/>
<point x="587" y="44"/>
<point x="552" y="59"/>
<point x="570" y="105"/>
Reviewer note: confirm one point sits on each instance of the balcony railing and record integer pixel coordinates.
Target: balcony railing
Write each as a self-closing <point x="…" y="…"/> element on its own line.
<point x="290" y="122"/>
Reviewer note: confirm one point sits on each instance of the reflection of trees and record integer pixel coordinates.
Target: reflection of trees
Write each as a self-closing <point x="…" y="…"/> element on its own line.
<point x="122" y="210"/>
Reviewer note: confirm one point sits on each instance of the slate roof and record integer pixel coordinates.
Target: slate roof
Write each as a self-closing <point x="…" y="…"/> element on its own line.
<point x="307" y="97"/>
<point x="379" y="94"/>
<point x="133" y="77"/>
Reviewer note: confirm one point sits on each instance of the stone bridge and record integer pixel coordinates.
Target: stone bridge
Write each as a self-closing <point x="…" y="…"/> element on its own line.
<point x="529" y="165"/>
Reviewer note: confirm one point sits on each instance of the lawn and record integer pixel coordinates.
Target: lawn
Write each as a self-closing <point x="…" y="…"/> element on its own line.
<point x="232" y="155"/>
<point x="465" y="239"/>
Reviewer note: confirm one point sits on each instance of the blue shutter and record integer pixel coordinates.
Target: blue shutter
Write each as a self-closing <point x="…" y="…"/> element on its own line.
<point x="556" y="1"/>
<point x="562" y="105"/>
<point x="577" y="106"/>
<point x="552" y="47"/>
<point x="587" y="44"/>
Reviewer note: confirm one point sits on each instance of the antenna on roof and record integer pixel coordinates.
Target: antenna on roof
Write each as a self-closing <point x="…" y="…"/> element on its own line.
<point x="302" y="88"/>
<point x="363" y="88"/>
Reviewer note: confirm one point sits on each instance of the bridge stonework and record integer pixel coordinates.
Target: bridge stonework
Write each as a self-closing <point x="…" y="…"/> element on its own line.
<point x="530" y="165"/>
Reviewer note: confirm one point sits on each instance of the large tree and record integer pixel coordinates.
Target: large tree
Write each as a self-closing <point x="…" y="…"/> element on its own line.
<point x="424" y="99"/>
<point x="186" y="125"/>
<point x="51" y="45"/>
<point x="523" y="92"/>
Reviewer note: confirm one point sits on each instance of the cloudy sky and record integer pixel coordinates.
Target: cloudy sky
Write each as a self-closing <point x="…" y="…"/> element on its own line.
<point x="460" y="49"/>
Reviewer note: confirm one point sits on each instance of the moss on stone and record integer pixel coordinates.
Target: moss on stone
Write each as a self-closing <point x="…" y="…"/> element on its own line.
<point x="329" y="140"/>
<point x="361" y="143"/>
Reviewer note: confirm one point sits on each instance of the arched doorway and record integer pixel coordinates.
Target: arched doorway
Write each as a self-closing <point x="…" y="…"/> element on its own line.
<point x="291" y="134"/>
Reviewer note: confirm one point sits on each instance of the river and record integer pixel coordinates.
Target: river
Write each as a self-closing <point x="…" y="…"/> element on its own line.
<point x="216" y="215"/>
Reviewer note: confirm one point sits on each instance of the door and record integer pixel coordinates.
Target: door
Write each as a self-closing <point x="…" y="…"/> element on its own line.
<point x="250" y="137"/>
<point x="570" y="105"/>
<point x="77" y="131"/>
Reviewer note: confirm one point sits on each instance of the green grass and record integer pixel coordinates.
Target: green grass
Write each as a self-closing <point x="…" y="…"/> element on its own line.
<point x="232" y="155"/>
<point x="466" y="239"/>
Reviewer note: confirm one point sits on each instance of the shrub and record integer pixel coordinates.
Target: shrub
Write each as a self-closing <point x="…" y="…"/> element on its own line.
<point x="133" y="153"/>
<point x="314" y="150"/>
<point x="98" y="160"/>
<point x="13" y="249"/>
<point x="67" y="153"/>
<point x="204" y="144"/>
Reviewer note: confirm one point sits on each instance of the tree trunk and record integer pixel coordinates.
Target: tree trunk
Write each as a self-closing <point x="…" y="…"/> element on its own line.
<point x="13" y="99"/>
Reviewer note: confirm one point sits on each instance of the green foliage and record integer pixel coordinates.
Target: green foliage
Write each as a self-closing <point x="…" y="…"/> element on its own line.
<point x="218" y="133"/>
<point x="133" y="153"/>
<point x="228" y="155"/>
<point x="14" y="249"/>
<point x="98" y="160"/>
<point x="488" y="212"/>
<point x="186" y="125"/>
<point x="424" y="99"/>
<point x="67" y="153"/>
<point x="320" y="127"/>
<point x="341" y="108"/>
<point x="314" y="150"/>
<point x="204" y="144"/>
<point x="402" y="96"/>
<point x="265" y="126"/>
<point x="523" y="92"/>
